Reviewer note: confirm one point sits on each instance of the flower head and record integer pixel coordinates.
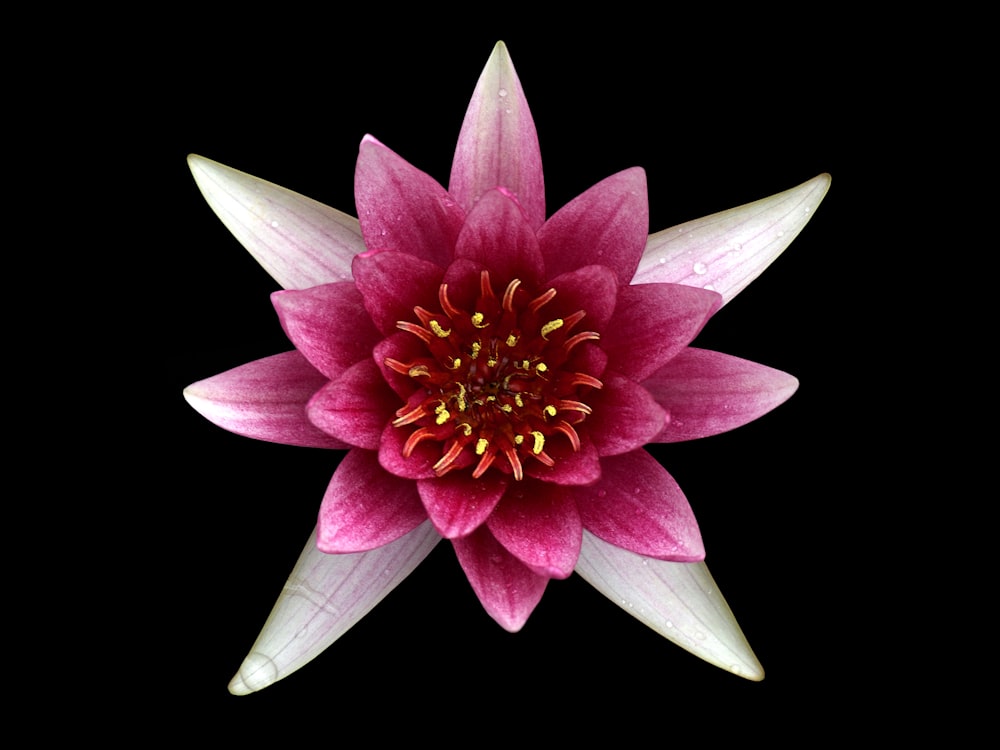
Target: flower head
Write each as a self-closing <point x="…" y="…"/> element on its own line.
<point x="494" y="374"/>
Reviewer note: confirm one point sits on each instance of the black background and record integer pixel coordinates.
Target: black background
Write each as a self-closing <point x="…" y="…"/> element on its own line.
<point x="207" y="525"/>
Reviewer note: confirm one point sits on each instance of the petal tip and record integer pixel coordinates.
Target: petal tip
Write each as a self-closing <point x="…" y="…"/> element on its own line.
<point x="256" y="673"/>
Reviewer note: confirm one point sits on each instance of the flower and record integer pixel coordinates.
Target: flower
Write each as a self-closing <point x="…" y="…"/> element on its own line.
<point x="494" y="374"/>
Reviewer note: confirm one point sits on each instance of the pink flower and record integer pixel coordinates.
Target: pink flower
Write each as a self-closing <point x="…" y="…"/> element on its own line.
<point x="493" y="374"/>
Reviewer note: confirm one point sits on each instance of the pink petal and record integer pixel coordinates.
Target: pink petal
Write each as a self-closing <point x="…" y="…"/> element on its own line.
<point x="653" y="323"/>
<point x="571" y="467"/>
<point x="707" y="393"/>
<point x="592" y="289"/>
<point x="265" y="400"/>
<point x="497" y="235"/>
<point x="297" y="240"/>
<point x="366" y="507"/>
<point x="328" y="324"/>
<point x="539" y="524"/>
<point x="402" y="208"/>
<point x="608" y="224"/>
<point x="508" y="590"/>
<point x="680" y="601"/>
<point x="498" y="145"/>
<point x="637" y="505"/>
<point x="419" y="465"/>
<point x="457" y="504"/>
<point x="625" y="416"/>
<point x="324" y="597"/>
<point x="392" y="284"/>
<point x="355" y="407"/>
<point x="729" y="249"/>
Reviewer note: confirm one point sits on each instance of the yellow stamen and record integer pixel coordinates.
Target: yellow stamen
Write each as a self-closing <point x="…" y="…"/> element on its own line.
<point x="477" y="320"/>
<point x="551" y="326"/>
<point x="539" y="441"/>
<point x="550" y="410"/>
<point x="511" y="340"/>
<point x="419" y="371"/>
<point x="481" y="445"/>
<point x="439" y="331"/>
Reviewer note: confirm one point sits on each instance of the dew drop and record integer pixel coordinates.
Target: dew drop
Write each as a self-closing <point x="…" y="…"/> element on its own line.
<point x="781" y="232"/>
<point x="668" y="624"/>
<point x="274" y="224"/>
<point x="700" y="268"/>
<point x="807" y="209"/>
<point x="663" y="260"/>
<point x="502" y="92"/>
<point x="602" y="493"/>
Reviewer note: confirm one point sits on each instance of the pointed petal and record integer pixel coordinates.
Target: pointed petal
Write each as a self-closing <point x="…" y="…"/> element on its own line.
<point x="297" y="240"/>
<point x="707" y="393"/>
<point x="653" y="323"/>
<point x="366" y="507"/>
<point x="328" y="324"/>
<point x="571" y="467"/>
<point x="508" y="590"/>
<point x="638" y="506"/>
<point x="418" y="465"/>
<point x="497" y="235"/>
<point x="625" y="416"/>
<point x="355" y="407"/>
<point x="591" y="288"/>
<point x="680" y="601"/>
<point x="457" y="504"/>
<point x="392" y="284"/>
<point x="264" y="400"/>
<point x="324" y="597"/>
<point x="498" y="145"/>
<point x="402" y="208"/>
<point x="729" y="249"/>
<point x="607" y="224"/>
<point x="539" y="524"/>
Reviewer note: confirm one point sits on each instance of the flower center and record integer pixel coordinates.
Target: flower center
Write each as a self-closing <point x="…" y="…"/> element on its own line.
<point x="503" y="380"/>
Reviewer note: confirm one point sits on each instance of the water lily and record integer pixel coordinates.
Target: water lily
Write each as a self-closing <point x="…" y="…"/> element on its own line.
<point x="493" y="374"/>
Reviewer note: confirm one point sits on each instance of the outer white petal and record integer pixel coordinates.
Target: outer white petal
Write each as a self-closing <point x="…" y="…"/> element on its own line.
<point x="729" y="249"/>
<point x="324" y="597"/>
<point x="299" y="241"/>
<point x="680" y="601"/>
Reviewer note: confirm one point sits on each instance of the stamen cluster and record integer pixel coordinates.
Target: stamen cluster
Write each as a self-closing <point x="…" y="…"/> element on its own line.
<point x="501" y="380"/>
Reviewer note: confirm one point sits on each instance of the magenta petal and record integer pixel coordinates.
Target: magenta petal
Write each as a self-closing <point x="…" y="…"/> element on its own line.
<point x="355" y="407"/>
<point x="608" y="224"/>
<point x="539" y="524"/>
<point x="392" y="284"/>
<point x="508" y="590"/>
<point x="497" y="235"/>
<point x="265" y="400"/>
<point x="498" y="145"/>
<point x="653" y="323"/>
<point x="401" y="208"/>
<point x="328" y="324"/>
<point x="419" y="465"/>
<point x="625" y="416"/>
<point x="592" y="289"/>
<point x="366" y="507"/>
<point x="638" y="506"/>
<point x="707" y="393"/>
<point x="571" y="467"/>
<point x="457" y="503"/>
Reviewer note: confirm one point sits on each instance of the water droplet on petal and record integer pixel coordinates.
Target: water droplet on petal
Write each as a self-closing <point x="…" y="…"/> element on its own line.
<point x="274" y="224"/>
<point x="502" y="92"/>
<point x="700" y="268"/>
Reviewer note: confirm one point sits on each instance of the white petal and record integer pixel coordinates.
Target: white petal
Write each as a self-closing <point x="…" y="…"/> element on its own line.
<point x="324" y="597"/>
<point x="680" y="601"/>
<point x="729" y="249"/>
<point x="299" y="241"/>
